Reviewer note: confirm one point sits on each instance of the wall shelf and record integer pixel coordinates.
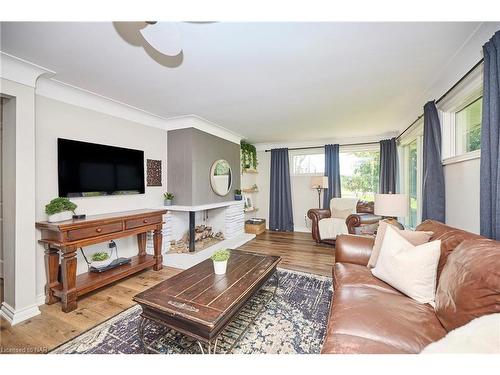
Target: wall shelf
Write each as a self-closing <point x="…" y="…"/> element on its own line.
<point x="251" y="209"/>
<point x="249" y="190"/>
<point x="250" y="170"/>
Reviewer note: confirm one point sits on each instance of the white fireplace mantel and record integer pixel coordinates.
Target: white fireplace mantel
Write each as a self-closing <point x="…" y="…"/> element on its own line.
<point x="201" y="207"/>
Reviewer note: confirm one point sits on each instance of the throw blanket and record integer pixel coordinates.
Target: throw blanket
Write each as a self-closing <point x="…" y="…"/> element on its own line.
<point x="331" y="227"/>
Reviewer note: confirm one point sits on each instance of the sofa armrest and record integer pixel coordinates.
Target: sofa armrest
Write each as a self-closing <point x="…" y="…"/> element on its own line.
<point x="359" y="219"/>
<point x="353" y="249"/>
<point x="316" y="215"/>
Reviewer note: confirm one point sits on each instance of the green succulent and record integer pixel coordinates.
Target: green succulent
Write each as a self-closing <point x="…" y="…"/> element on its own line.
<point x="59" y="205"/>
<point x="221" y="255"/>
<point x="100" y="256"/>
<point x="169" y="196"/>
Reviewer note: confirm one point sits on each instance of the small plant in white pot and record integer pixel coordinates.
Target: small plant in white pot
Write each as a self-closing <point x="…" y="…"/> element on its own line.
<point x="100" y="259"/>
<point x="60" y="209"/>
<point x="220" y="258"/>
<point x="168" y="197"/>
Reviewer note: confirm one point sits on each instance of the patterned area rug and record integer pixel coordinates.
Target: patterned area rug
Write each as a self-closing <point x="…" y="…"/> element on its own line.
<point x="294" y="321"/>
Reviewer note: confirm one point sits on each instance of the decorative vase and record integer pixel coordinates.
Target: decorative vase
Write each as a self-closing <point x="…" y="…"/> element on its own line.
<point x="220" y="267"/>
<point x="168" y="202"/>
<point x="238" y="197"/>
<point x="60" y="216"/>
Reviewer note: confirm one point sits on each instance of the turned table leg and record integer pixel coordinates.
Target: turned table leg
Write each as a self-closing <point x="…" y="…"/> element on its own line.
<point x="157" y="239"/>
<point x="52" y="274"/>
<point x="68" y="268"/>
<point x="141" y="242"/>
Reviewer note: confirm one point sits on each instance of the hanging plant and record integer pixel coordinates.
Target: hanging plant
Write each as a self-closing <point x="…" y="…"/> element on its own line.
<point x="248" y="156"/>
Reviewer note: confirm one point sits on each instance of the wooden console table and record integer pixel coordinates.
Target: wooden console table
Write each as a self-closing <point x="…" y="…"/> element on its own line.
<point x="61" y="241"/>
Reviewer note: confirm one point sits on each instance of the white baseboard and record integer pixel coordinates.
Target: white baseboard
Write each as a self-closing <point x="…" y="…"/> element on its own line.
<point x="17" y="316"/>
<point x="40" y="299"/>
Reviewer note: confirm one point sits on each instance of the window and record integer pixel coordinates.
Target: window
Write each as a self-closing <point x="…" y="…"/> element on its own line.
<point x="359" y="174"/>
<point x="412" y="183"/>
<point x="411" y="174"/>
<point x="461" y="115"/>
<point x="468" y="128"/>
<point x="307" y="164"/>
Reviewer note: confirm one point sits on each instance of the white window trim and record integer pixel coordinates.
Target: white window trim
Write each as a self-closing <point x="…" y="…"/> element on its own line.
<point x="463" y="157"/>
<point x="463" y="95"/>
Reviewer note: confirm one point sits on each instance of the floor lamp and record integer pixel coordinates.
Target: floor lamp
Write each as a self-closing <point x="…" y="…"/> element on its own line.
<point x="319" y="183"/>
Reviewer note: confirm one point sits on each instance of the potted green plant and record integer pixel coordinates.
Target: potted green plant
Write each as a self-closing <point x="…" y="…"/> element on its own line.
<point x="220" y="258"/>
<point x="100" y="259"/>
<point x="168" y="198"/>
<point x="237" y="195"/>
<point x="248" y="156"/>
<point x="60" y="209"/>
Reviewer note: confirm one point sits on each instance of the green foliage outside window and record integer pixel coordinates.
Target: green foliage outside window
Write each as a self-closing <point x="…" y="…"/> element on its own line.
<point x="364" y="180"/>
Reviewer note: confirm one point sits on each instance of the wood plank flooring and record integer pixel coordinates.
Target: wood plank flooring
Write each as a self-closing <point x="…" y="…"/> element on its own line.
<point x="298" y="251"/>
<point x="53" y="327"/>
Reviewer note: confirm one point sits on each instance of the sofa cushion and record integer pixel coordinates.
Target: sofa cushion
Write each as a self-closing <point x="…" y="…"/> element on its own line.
<point x="450" y="238"/>
<point x="469" y="286"/>
<point x="408" y="268"/>
<point x="416" y="238"/>
<point x="348" y="274"/>
<point x="364" y="319"/>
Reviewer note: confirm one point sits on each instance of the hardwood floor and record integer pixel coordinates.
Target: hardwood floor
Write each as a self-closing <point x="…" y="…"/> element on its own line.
<point x="298" y="251"/>
<point x="53" y="327"/>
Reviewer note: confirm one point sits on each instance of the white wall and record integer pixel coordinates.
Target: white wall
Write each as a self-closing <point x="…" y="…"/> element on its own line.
<point x="462" y="194"/>
<point x="55" y="119"/>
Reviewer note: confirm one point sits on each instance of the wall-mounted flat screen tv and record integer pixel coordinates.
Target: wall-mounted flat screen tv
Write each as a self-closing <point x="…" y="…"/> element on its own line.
<point x="89" y="169"/>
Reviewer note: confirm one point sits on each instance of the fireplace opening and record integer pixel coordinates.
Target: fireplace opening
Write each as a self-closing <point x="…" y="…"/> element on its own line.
<point x="204" y="236"/>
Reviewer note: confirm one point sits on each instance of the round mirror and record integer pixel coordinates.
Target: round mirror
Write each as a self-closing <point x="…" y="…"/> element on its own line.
<point x="221" y="177"/>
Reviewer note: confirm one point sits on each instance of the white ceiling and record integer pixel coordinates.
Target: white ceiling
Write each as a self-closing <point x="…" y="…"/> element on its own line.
<point x="270" y="82"/>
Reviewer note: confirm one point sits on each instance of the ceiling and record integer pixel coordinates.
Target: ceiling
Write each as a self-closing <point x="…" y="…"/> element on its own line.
<point x="270" y="82"/>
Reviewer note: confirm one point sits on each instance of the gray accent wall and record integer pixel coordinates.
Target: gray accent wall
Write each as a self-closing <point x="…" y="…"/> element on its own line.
<point x="191" y="153"/>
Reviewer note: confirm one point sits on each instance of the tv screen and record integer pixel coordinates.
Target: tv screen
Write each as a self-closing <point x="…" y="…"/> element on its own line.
<point x="88" y="169"/>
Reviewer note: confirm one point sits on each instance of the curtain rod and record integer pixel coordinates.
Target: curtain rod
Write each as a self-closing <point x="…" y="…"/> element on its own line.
<point x="345" y="144"/>
<point x="444" y="95"/>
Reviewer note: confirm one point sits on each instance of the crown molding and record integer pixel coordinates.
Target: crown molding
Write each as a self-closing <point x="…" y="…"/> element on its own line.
<point x="21" y="71"/>
<point x="66" y="93"/>
<point x="198" y="122"/>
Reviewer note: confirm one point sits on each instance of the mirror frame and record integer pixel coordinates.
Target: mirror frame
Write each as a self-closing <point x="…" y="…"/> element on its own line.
<point x="212" y="169"/>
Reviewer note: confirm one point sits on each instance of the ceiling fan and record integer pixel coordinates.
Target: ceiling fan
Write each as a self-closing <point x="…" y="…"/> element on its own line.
<point x="165" y="37"/>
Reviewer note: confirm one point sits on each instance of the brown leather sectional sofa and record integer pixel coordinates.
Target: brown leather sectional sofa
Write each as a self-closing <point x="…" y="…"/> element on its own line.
<point x="369" y="316"/>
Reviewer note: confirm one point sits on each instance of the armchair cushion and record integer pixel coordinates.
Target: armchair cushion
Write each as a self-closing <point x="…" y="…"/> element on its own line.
<point x="330" y="228"/>
<point x="341" y="204"/>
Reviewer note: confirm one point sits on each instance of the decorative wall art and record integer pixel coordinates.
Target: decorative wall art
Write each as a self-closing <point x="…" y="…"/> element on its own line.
<point x="153" y="172"/>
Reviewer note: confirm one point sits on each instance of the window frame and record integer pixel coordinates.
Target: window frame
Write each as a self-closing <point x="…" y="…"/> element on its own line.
<point x="312" y="151"/>
<point x="415" y="134"/>
<point x="466" y="93"/>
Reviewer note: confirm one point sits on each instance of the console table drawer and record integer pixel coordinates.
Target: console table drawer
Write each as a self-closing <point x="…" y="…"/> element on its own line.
<point x="135" y="223"/>
<point x="98" y="230"/>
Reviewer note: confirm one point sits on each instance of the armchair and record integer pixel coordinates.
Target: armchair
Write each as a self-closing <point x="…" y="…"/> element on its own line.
<point x="355" y="223"/>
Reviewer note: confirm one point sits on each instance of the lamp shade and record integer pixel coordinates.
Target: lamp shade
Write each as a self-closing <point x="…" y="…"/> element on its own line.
<point x="319" y="182"/>
<point x="394" y="205"/>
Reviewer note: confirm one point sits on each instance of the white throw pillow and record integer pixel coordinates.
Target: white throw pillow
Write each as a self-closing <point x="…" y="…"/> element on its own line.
<point x="410" y="269"/>
<point x="481" y="335"/>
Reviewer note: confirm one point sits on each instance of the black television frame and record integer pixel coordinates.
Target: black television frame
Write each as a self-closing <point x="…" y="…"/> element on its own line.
<point x="62" y="193"/>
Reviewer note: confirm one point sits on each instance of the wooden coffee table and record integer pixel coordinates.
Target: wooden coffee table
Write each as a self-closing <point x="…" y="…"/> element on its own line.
<point x="200" y="304"/>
